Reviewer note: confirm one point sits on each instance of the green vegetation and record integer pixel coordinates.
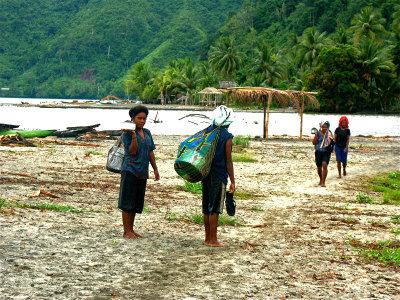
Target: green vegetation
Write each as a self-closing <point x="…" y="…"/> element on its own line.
<point x="42" y="206"/>
<point x="194" y="188"/>
<point x="2" y="202"/>
<point x="243" y="157"/>
<point x="92" y="152"/>
<point x="389" y="186"/>
<point x="387" y="252"/>
<point x="197" y="218"/>
<point x="240" y="140"/>
<point x="363" y="198"/>
<point x="348" y="51"/>
<point x="256" y="208"/>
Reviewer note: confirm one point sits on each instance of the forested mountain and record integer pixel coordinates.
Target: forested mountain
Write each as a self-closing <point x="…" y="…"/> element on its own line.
<point x="77" y="48"/>
<point x="348" y="51"/>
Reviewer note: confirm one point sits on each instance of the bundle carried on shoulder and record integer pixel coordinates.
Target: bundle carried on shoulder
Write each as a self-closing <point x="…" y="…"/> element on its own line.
<point x="195" y="155"/>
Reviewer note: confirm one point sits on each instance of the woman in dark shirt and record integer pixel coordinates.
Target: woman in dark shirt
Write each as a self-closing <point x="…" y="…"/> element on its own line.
<point x="342" y="139"/>
<point x="322" y="141"/>
<point x="139" y="153"/>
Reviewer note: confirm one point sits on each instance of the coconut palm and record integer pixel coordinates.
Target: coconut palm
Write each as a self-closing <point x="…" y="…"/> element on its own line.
<point x="368" y="24"/>
<point x="225" y="57"/>
<point x="311" y="44"/>
<point x="268" y="64"/>
<point x="377" y="64"/>
<point x="341" y="36"/>
<point x="138" y="77"/>
<point x="396" y="20"/>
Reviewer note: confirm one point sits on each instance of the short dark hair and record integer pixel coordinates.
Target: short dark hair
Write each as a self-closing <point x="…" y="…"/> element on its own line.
<point x="137" y="110"/>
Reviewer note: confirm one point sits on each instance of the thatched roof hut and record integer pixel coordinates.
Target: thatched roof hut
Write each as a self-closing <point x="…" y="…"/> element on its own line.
<point x="265" y="95"/>
<point x="210" y="96"/>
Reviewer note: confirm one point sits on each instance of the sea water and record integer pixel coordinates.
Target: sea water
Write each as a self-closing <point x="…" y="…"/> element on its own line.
<point x="171" y="122"/>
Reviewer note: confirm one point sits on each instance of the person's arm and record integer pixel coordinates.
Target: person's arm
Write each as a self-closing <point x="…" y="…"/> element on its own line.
<point x="133" y="145"/>
<point x="315" y="140"/>
<point x="347" y="144"/>
<point x="335" y="139"/>
<point x="154" y="165"/>
<point x="229" y="165"/>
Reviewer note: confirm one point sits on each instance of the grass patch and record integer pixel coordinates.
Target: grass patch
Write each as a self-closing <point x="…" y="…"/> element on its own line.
<point x="243" y="157"/>
<point x="387" y="252"/>
<point x="92" y="152"/>
<point x="42" y="206"/>
<point x="256" y="208"/>
<point x="197" y="218"/>
<point x="389" y="186"/>
<point x="240" y="140"/>
<point x="2" y="202"/>
<point x="395" y="219"/>
<point x="363" y="198"/>
<point x="194" y="188"/>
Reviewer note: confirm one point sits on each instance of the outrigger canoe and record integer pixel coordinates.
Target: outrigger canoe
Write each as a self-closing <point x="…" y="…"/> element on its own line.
<point x="28" y="133"/>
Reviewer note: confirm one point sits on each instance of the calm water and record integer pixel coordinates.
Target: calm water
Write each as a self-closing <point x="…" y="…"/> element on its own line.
<point x="246" y="123"/>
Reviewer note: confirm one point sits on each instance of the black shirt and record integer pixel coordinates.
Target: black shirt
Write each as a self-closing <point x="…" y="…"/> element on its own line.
<point x="342" y="134"/>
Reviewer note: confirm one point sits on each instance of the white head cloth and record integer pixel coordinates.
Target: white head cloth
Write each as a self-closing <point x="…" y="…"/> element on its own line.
<point x="222" y="114"/>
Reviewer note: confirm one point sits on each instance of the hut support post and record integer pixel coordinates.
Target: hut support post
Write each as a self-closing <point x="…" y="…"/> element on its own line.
<point x="264" y="101"/>
<point x="301" y="117"/>
<point x="266" y="125"/>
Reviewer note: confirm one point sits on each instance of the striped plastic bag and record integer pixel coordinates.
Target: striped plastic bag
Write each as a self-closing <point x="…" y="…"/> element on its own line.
<point x="195" y="155"/>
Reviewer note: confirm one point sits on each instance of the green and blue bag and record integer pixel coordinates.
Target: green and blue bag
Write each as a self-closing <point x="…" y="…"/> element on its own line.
<point x="195" y="155"/>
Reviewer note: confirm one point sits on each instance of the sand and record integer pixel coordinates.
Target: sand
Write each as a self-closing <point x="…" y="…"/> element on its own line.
<point x="294" y="243"/>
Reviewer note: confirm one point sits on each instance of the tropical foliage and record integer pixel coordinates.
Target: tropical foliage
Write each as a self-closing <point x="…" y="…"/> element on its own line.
<point x="348" y="51"/>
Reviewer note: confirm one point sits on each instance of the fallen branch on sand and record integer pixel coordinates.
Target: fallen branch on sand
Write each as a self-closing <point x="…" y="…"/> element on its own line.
<point x="42" y="193"/>
<point x="18" y="174"/>
<point x="15" y="139"/>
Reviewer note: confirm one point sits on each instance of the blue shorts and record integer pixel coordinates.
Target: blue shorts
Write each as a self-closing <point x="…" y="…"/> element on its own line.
<point x="340" y="154"/>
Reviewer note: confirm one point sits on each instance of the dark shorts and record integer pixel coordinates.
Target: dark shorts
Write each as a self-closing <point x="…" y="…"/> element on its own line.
<point x="321" y="156"/>
<point x="131" y="193"/>
<point x="213" y="194"/>
<point x="340" y="154"/>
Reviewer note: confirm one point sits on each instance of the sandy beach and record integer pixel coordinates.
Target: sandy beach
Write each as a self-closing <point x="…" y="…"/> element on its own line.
<point x="293" y="242"/>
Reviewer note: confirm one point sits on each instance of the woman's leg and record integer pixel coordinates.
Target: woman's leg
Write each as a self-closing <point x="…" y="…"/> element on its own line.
<point x="128" y="220"/>
<point x="344" y="169"/>
<point x="319" y="170"/>
<point x="324" y="172"/>
<point x="339" y="167"/>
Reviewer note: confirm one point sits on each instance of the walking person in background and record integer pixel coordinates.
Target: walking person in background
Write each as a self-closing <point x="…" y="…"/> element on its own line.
<point x="139" y="146"/>
<point x="342" y="140"/>
<point x="323" y="148"/>
<point x="214" y="185"/>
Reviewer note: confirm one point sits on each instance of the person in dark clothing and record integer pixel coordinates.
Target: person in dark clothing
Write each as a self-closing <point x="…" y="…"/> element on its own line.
<point x="342" y="140"/>
<point x="322" y="141"/>
<point x="139" y="146"/>
<point x="214" y="185"/>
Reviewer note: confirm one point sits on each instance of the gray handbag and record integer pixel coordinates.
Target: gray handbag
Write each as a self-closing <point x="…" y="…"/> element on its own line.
<point x="116" y="156"/>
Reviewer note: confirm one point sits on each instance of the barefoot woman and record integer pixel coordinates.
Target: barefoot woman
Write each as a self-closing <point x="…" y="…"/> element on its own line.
<point x="342" y="139"/>
<point x="214" y="185"/>
<point x="139" y="148"/>
<point x="322" y="140"/>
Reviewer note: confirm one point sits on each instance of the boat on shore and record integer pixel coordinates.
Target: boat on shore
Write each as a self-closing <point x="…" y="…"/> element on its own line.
<point x="74" y="131"/>
<point x="28" y="133"/>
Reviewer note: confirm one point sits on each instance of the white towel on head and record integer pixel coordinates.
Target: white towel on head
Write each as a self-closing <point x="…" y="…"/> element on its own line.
<point x="224" y="115"/>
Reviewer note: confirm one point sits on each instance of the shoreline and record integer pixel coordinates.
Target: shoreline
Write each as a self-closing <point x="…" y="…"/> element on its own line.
<point x="190" y="108"/>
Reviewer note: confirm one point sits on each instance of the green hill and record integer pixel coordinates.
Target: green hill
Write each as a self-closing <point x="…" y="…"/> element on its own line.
<point x="82" y="48"/>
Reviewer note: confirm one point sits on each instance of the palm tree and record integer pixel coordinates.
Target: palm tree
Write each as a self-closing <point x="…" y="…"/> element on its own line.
<point x="225" y="57"/>
<point x="311" y="44"/>
<point x="377" y="64"/>
<point x="368" y="23"/>
<point x="138" y="77"/>
<point x="268" y="64"/>
<point x="396" y="20"/>
<point x="341" y="36"/>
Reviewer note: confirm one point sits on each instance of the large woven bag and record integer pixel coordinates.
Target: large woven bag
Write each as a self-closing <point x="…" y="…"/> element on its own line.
<point x="195" y="155"/>
<point x="115" y="158"/>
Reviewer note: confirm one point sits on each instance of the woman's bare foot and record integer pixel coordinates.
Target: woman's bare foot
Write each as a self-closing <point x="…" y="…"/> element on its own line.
<point x="344" y="173"/>
<point x="320" y="183"/>
<point x="130" y="235"/>
<point x="323" y="185"/>
<point x="215" y="244"/>
<point x="339" y="176"/>
<point x="137" y="234"/>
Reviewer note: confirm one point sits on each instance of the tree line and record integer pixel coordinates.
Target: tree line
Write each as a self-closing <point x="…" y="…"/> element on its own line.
<point x="354" y="68"/>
